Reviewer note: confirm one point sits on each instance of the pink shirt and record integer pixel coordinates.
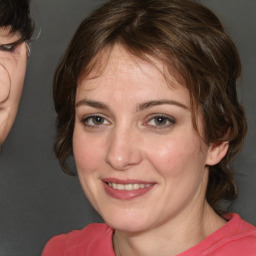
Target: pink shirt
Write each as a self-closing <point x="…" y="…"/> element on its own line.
<point x="236" y="238"/>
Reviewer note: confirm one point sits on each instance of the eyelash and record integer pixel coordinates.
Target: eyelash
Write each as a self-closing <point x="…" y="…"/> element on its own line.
<point x="167" y="121"/>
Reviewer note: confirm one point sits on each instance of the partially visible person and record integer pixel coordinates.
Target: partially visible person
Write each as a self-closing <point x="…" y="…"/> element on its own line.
<point x="16" y="29"/>
<point x="147" y="104"/>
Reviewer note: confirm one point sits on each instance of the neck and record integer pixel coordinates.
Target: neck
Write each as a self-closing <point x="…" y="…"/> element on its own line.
<point x="171" y="238"/>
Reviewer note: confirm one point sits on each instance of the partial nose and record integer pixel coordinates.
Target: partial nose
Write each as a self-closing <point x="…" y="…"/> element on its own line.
<point x="124" y="149"/>
<point x="5" y="84"/>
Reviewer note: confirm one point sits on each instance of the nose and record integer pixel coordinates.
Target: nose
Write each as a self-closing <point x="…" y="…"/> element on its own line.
<point x="123" y="149"/>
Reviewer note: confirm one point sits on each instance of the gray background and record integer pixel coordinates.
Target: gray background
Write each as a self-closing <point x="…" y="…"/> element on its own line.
<point x="38" y="200"/>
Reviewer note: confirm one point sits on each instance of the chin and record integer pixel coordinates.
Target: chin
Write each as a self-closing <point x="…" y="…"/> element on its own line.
<point x="126" y="221"/>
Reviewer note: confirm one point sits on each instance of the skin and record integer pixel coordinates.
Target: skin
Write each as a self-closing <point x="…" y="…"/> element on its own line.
<point x="12" y="73"/>
<point x="128" y="142"/>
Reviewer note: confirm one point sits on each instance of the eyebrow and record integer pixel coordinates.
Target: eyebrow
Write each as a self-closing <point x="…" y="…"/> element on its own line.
<point x="94" y="104"/>
<point x="139" y="107"/>
<point x="153" y="103"/>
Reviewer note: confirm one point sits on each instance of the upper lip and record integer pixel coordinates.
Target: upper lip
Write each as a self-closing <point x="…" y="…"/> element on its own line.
<point x="126" y="181"/>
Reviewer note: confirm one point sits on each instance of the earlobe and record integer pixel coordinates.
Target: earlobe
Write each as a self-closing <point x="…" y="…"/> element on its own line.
<point x="216" y="152"/>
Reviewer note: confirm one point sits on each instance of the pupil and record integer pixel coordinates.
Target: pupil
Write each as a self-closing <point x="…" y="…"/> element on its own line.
<point x="98" y="120"/>
<point x="160" y="120"/>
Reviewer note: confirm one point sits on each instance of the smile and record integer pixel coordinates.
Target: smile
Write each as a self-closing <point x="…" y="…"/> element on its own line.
<point x="128" y="187"/>
<point x="126" y="190"/>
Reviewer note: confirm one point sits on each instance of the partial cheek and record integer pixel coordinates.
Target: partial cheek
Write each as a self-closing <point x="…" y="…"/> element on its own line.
<point x="19" y="72"/>
<point x="81" y="155"/>
<point x="5" y="83"/>
<point x="85" y="153"/>
<point x="174" y="157"/>
<point x="166" y="158"/>
<point x="16" y="69"/>
<point x="17" y="82"/>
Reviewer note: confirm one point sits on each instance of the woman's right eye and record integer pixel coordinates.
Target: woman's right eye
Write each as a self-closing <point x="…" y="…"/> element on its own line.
<point x="7" y="47"/>
<point x="94" y="121"/>
<point x="11" y="46"/>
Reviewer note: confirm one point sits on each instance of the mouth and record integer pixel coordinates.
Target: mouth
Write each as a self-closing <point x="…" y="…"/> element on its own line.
<point x="128" y="187"/>
<point x="126" y="190"/>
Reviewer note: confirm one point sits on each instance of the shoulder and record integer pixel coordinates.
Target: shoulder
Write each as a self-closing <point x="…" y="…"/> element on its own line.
<point x="91" y="238"/>
<point x="238" y="227"/>
<point x="245" y="237"/>
<point x="237" y="238"/>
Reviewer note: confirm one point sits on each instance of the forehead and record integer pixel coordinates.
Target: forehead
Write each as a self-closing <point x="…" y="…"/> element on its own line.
<point x="126" y="78"/>
<point x="118" y="62"/>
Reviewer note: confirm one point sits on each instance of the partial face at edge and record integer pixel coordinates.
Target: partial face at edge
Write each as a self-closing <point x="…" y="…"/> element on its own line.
<point x="139" y="159"/>
<point x="13" y="60"/>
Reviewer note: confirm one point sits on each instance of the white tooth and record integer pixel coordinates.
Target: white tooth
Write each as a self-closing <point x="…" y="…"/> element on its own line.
<point x="136" y="186"/>
<point x="128" y="187"/>
<point x="120" y="186"/>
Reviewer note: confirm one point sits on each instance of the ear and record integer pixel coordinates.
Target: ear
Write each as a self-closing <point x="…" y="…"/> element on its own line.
<point x="216" y="152"/>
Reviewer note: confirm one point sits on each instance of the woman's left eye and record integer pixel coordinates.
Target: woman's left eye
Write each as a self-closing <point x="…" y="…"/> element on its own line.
<point x="161" y="121"/>
<point x="95" y="121"/>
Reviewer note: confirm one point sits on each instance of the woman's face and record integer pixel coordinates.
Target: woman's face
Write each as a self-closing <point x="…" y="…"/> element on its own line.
<point x="139" y="160"/>
<point x="13" y="60"/>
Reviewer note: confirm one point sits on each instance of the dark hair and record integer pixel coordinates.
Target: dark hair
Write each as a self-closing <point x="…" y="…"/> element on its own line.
<point x="16" y="13"/>
<point x="182" y="34"/>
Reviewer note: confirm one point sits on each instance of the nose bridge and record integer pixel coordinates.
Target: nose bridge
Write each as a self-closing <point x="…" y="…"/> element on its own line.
<point x="123" y="148"/>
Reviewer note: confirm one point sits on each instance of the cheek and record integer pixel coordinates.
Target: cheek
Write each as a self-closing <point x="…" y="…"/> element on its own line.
<point x="176" y="156"/>
<point x="87" y="151"/>
<point x="16" y="68"/>
<point x="18" y="75"/>
<point x="5" y="83"/>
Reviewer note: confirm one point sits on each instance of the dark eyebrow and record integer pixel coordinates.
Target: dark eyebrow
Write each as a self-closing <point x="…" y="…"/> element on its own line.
<point x="94" y="104"/>
<point x="140" y="107"/>
<point x="153" y="103"/>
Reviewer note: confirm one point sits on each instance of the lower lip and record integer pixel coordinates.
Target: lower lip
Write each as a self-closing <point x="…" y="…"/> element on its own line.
<point x="126" y="194"/>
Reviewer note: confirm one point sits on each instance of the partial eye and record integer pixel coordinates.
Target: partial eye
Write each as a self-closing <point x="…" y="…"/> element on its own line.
<point x="159" y="120"/>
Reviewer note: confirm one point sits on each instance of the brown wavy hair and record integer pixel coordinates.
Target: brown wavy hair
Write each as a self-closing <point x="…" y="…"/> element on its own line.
<point x="182" y="34"/>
